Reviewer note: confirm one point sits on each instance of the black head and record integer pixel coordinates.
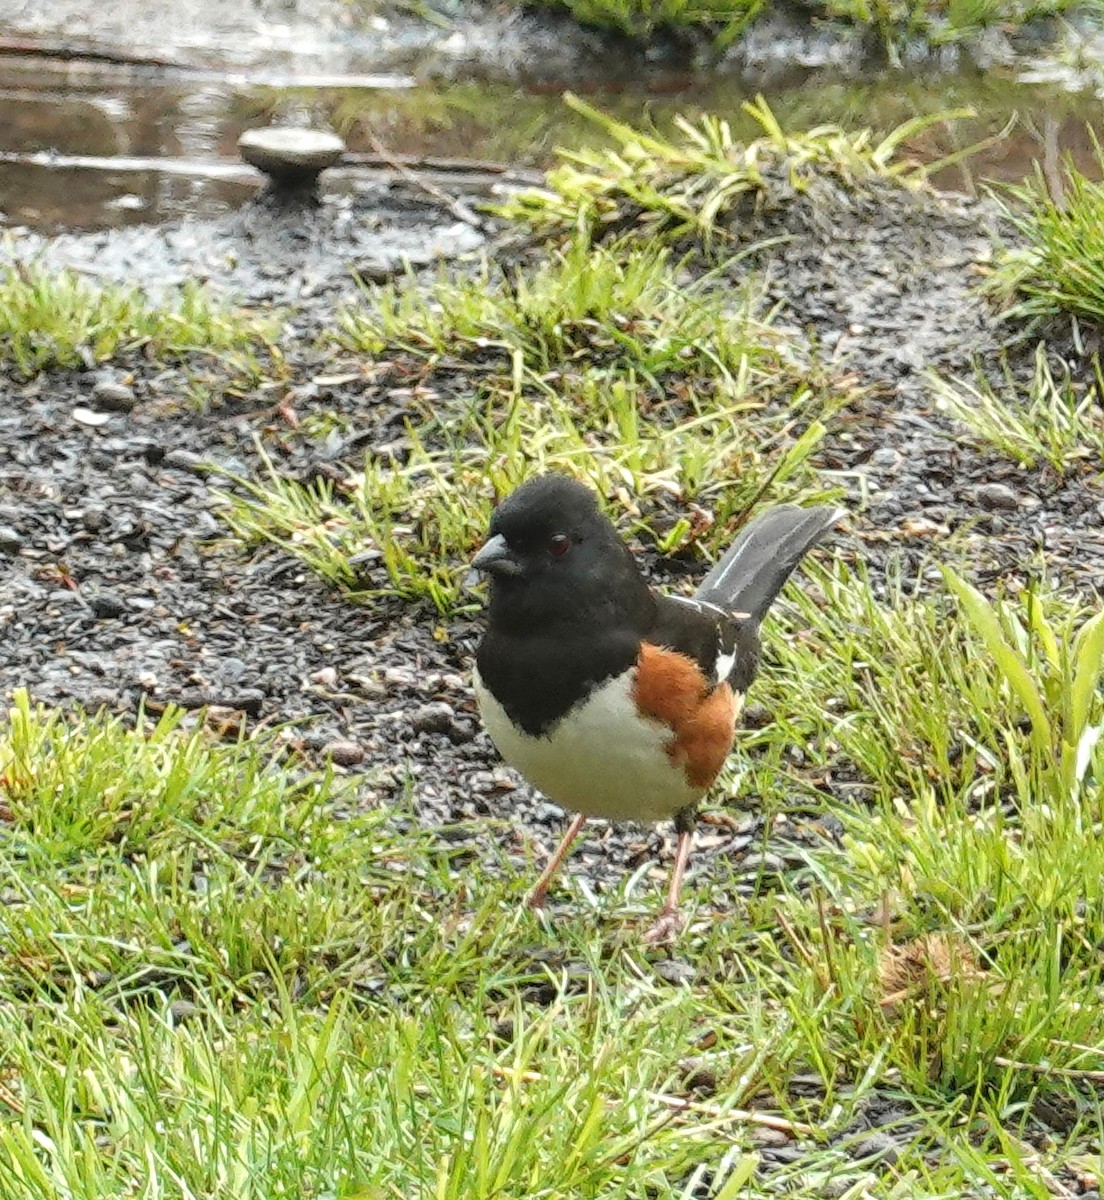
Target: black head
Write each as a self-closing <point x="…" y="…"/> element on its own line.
<point x="554" y="558"/>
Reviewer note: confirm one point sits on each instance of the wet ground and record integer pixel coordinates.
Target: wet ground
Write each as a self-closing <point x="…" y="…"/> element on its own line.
<point x="114" y="587"/>
<point x="97" y="146"/>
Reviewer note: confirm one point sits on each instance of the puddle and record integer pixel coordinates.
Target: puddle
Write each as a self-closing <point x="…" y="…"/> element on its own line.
<point x="92" y="145"/>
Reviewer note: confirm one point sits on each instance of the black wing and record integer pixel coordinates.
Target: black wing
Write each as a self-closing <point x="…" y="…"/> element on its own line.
<point x="725" y="648"/>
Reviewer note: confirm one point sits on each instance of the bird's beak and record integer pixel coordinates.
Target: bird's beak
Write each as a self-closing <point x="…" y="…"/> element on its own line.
<point x="496" y="558"/>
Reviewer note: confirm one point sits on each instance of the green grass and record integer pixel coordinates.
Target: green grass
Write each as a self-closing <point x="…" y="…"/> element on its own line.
<point x="1061" y="266"/>
<point x="52" y="320"/>
<point x="219" y="977"/>
<point x="608" y="362"/>
<point x="720" y="23"/>
<point x="694" y="183"/>
<point x="1058" y="424"/>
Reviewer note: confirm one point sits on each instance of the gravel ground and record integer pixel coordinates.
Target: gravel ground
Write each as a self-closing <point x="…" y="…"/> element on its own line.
<point x="115" y="588"/>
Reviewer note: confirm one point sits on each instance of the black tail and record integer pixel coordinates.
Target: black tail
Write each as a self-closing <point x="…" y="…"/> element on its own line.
<point x="755" y="567"/>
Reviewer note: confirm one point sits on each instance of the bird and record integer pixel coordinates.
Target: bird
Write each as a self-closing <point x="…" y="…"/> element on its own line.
<point x="612" y="698"/>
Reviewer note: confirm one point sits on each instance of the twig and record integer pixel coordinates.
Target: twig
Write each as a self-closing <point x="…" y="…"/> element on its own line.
<point x="678" y="1104"/>
<point x="1052" y="163"/>
<point x="460" y="211"/>
<point x="1042" y="1069"/>
<point x="8" y="1097"/>
<point x="447" y="166"/>
<point x="88" y="52"/>
<point x="742" y="1116"/>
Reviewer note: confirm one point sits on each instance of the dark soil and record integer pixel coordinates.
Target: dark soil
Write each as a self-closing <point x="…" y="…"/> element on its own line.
<point x="116" y="590"/>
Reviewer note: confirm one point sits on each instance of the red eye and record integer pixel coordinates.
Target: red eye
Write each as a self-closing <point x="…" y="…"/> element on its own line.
<point x="559" y="545"/>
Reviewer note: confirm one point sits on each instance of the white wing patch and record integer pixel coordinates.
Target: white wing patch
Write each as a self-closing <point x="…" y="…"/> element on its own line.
<point x="722" y="668"/>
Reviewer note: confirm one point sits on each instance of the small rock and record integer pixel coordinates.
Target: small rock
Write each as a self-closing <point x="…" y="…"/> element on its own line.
<point x="997" y="496"/>
<point x="290" y="156"/>
<point x="232" y="670"/>
<point x="783" y="1156"/>
<point x="94" y="519"/>
<point x="437" y="717"/>
<point x="89" y="417"/>
<point x="106" y="605"/>
<point x="765" y="1136"/>
<point x="879" y="1146"/>
<point x="698" y="1075"/>
<point x="764" y="862"/>
<point x="11" y="540"/>
<point x="110" y="396"/>
<point x="885" y="456"/>
<point x="921" y="527"/>
<point x="502" y="1032"/>
<point x="756" y="717"/>
<point x="397" y="679"/>
<point x="182" y="1010"/>
<point x="326" y="677"/>
<point x="673" y="971"/>
<point x="344" y="753"/>
<point x="185" y="460"/>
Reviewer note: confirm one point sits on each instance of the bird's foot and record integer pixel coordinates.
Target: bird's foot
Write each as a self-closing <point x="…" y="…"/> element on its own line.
<point x="668" y="925"/>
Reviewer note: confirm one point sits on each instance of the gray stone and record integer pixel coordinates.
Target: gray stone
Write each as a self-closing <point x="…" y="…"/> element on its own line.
<point x="997" y="496"/>
<point x="344" y="753"/>
<point x="110" y="396"/>
<point x="11" y="540"/>
<point x="437" y="717"/>
<point x="290" y="156"/>
<point x="185" y="460"/>
<point x="879" y="1146"/>
<point x="107" y="606"/>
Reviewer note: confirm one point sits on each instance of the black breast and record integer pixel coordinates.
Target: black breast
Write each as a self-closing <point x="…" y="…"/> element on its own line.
<point x="539" y="679"/>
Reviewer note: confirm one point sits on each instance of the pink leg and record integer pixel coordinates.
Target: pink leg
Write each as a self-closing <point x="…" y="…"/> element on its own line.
<point x="536" y="897"/>
<point x="669" y="923"/>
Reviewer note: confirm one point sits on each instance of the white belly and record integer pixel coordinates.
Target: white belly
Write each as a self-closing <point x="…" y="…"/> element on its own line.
<point x="602" y="759"/>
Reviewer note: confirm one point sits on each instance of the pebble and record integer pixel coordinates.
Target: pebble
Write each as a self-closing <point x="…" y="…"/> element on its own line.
<point x="11" y="540"/>
<point x="110" y="396"/>
<point x="698" y="1075"/>
<point x="181" y="1010"/>
<point x="107" y="605"/>
<point x="765" y="1136"/>
<point x="344" y="753"/>
<point x="185" y="460"/>
<point x="671" y="970"/>
<point x="880" y="1146"/>
<point x="766" y="862"/>
<point x="89" y="417"/>
<point x="997" y="496"/>
<point x="326" y="677"/>
<point x="437" y="717"/>
<point x="399" y="679"/>
<point x="784" y="1155"/>
<point x="885" y="456"/>
<point x="231" y="670"/>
